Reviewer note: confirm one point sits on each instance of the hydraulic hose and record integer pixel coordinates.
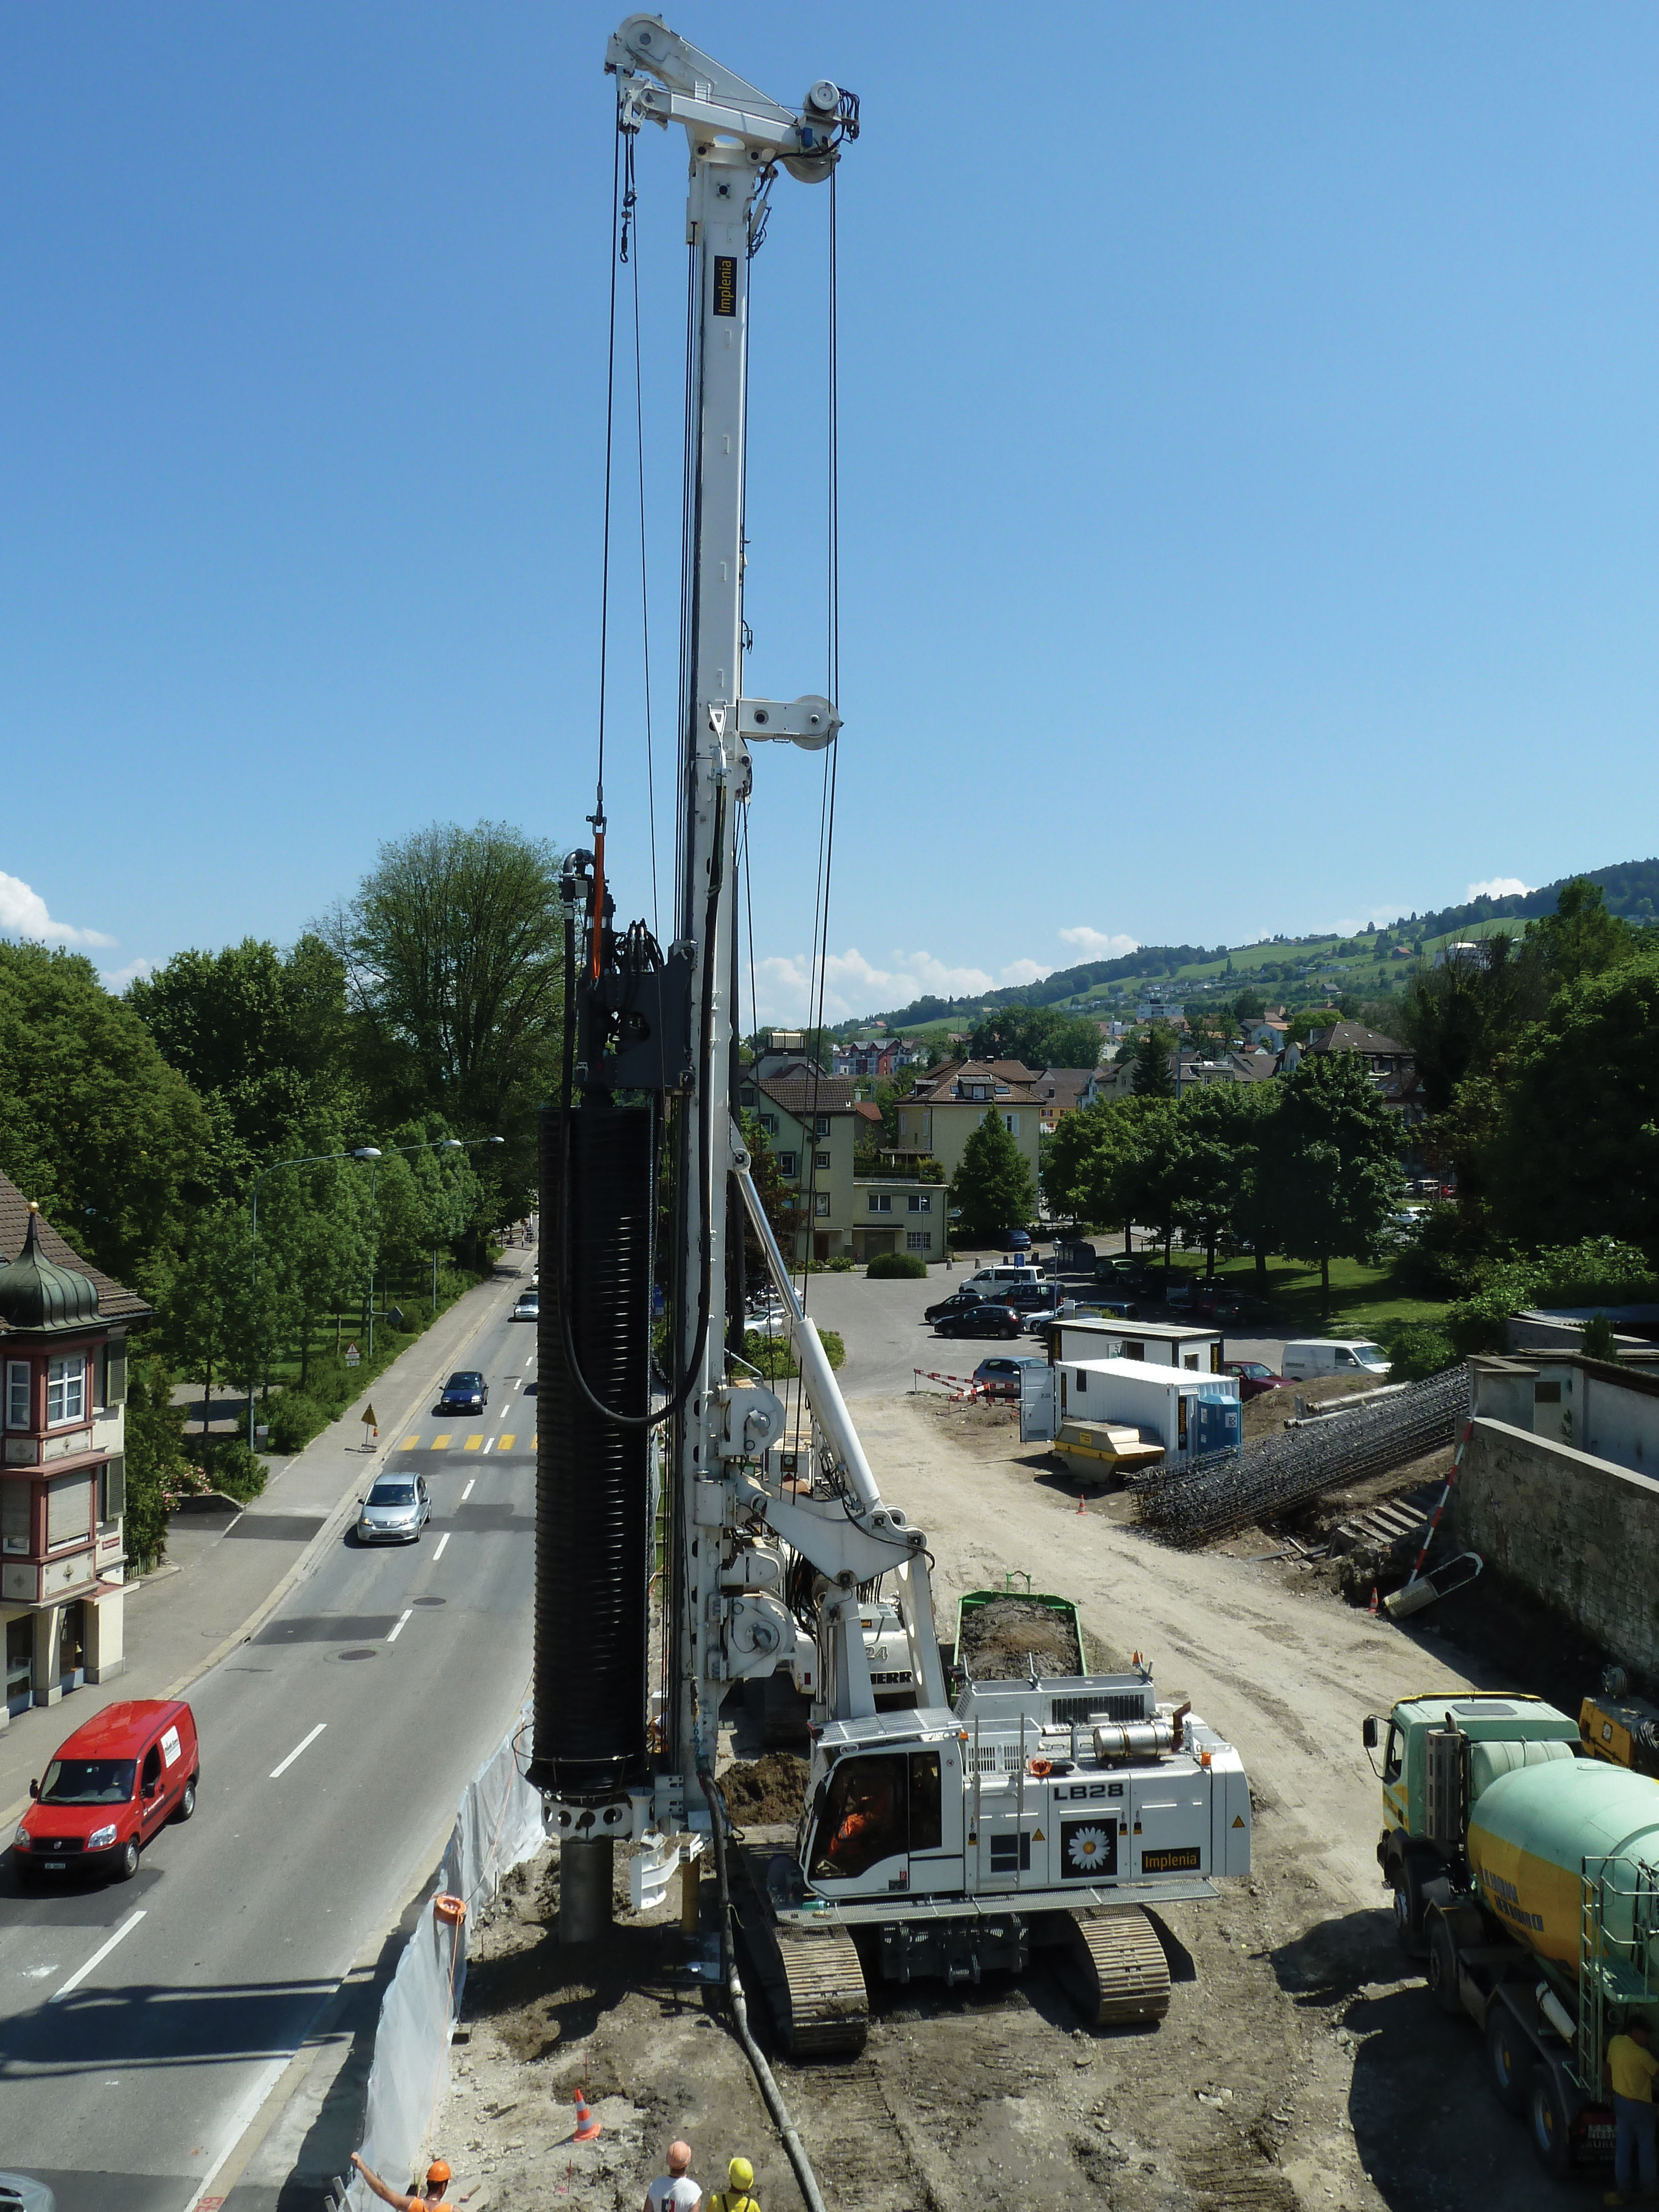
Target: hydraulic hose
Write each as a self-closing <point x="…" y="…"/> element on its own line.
<point x="751" y="2050"/>
<point x="705" y="1159"/>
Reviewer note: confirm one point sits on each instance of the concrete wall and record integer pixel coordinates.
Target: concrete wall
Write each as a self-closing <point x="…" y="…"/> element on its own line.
<point x="1574" y="1530"/>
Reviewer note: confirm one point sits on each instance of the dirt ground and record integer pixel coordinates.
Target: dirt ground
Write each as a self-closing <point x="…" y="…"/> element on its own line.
<point x="1299" y="2068"/>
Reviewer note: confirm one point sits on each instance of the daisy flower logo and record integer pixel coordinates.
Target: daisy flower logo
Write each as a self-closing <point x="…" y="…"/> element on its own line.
<point x="1088" y="1848"/>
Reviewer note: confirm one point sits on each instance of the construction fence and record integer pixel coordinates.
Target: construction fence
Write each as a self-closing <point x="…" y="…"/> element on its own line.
<point x="498" y="1825"/>
<point x="1275" y="1475"/>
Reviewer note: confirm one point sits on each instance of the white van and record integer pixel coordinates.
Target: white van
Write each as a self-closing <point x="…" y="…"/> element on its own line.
<point x="1332" y="1355"/>
<point x="990" y="1281"/>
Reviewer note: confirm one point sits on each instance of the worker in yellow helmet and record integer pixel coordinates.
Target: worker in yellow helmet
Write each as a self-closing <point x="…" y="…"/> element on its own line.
<point x="736" y="2198"/>
<point x="434" y="2199"/>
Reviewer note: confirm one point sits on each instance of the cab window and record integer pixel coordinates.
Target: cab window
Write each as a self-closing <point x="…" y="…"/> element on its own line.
<point x="1393" y="1752"/>
<point x="877" y="1809"/>
<point x="152" y="1774"/>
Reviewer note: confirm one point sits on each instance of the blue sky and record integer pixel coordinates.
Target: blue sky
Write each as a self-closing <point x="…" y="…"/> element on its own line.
<point x="1248" y="427"/>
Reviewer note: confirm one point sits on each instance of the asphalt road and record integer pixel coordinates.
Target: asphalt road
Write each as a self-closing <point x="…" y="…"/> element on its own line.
<point x="142" y="2024"/>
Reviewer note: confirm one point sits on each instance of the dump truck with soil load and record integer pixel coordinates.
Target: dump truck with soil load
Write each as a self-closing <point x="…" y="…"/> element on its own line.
<point x="1527" y="1875"/>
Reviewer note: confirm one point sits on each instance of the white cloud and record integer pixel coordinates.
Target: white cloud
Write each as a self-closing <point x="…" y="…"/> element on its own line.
<point x="1022" y="971"/>
<point x="1096" y="945"/>
<point x="23" y="914"/>
<point x="117" y="979"/>
<point x="1498" y="887"/>
<point x="787" y="986"/>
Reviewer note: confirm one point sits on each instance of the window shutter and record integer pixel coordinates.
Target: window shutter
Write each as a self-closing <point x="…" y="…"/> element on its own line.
<point x="115" y="1373"/>
<point x="113" y="1487"/>
<point x="69" y="1508"/>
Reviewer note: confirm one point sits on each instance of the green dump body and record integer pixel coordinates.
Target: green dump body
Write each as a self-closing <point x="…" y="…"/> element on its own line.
<point x="1533" y="1831"/>
<point x="973" y="1602"/>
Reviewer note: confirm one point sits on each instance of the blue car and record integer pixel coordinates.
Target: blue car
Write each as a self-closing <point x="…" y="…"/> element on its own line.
<point x="466" y="1391"/>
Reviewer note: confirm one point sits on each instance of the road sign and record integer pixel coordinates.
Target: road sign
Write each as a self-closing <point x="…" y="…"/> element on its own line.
<point x="369" y="1417"/>
<point x="352" y="1355"/>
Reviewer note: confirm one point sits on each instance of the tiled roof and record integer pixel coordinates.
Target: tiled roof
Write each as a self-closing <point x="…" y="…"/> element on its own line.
<point x="1354" y="1036"/>
<point x="826" y="1094"/>
<point x="115" y="1303"/>
<point x="941" y="1086"/>
<point x="1062" y="1086"/>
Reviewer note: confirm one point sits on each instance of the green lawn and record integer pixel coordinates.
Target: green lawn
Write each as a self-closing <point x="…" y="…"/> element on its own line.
<point x="1362" y="1299"/>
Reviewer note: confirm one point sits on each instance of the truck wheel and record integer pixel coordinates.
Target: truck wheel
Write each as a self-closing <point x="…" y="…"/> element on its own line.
<point x="1443" y="1967"/>
<point x="124" y="1864"/>
<point x="187" y="1804"/>
<point x="1551" y="2129"/>
<point x="1508" y="2052"/>
<point x="1407" y="1879"/>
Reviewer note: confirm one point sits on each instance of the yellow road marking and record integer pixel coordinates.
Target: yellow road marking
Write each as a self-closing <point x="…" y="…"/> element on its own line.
<point x="507" y="1443"/>
<point x="410" y="1444"/>
<point x="440" y="1442"/>
<point x="472" y="1442"/>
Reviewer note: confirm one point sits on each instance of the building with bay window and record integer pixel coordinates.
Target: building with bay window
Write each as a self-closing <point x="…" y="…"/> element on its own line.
<point x="63" y="1398"/>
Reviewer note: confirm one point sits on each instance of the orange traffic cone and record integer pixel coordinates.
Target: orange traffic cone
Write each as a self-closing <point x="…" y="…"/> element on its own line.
<point x="586" y="2126"/>
<point x="1372" y="1606"/>
<point x="1080" y="1501"/>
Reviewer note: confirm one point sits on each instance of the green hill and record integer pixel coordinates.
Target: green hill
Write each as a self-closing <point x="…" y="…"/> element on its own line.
<point x="1296" y="969"/>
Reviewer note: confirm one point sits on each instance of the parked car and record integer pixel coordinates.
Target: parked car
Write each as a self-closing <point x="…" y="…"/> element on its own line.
<point x="1216" y="1302"/>
<point x="991" y="1282"/>
<point x="1017" y="1240"/>
<point x="1000" y="1378"/>
<point x="527" y="1306"/>
<point x="982" y="1320"/>
<point x="957" y="1302"/>
<point x="1027" y="1297"/>
<point x="395" y="1510"/>
<point x="1178" y="1293"/>
<point x="1254" y="1376"/>
<point x="466" y="1391"/>
<point x="119" y="1777"/>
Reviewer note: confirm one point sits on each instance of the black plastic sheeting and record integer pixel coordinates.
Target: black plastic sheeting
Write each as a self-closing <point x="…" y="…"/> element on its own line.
<point x="592" y="1477"/>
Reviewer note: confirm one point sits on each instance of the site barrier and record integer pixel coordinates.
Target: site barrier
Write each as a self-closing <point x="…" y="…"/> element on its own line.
<point x="1275" y="1475"/>
<point x="968" y="1388"/>
<point x="498" y="1825"/>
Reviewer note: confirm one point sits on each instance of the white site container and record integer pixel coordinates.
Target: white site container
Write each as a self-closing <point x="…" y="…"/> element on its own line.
<point x="1188" y="1415"/>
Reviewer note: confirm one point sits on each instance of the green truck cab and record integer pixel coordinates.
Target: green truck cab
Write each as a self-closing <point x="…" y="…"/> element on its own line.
<point x="1415" y="1847"/>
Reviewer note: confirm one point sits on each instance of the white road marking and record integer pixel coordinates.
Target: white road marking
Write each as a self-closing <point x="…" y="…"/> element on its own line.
<point x="393" y="1634"/>
<point x="490" y="1443"/>
<point x="505" y="1411"/>
<point x="297" y="1749"/>
<point x="467" y="1492"/>
<point x="97" y="1958"/>
<point x="439" y="1553"/>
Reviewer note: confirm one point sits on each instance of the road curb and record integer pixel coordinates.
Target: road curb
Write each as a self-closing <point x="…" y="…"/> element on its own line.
<point x="297" y="1572"/>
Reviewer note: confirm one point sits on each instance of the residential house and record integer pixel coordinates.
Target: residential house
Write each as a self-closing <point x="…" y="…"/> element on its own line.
<point x="64" y="1329"/>
<point x="900" y="1213"/>
<point x="786" y="1056"/>
<point x="1059" y="1091"/>
<point x="947" y="1107"/>
<point x="1270" y="1034"/>
<point x="1192" y="1073"/>
<point x="1392" y="1069"/>
<point x="812" y="1125"/>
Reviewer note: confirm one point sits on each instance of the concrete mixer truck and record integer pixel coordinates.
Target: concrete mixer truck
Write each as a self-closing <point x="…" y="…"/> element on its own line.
<point x="1527" y="1875"/>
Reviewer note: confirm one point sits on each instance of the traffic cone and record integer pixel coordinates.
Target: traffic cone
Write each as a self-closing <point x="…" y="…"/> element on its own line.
<point x="1080" y="1501"/>
<point x="1372" y="1606"/>
<point x="586" y="2126"/>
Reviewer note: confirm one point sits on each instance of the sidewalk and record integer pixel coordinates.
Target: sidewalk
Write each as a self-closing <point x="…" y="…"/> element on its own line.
<point x="223" y="1570"/>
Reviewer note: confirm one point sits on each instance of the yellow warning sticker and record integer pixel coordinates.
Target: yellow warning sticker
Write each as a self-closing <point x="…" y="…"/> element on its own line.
<point x="1037" y="1836"/>
<point x="1238" y="1820"/>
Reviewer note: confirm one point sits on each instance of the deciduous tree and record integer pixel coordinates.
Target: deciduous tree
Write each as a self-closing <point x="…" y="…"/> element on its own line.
<point x="993" y="1185"/>
<point x="1334" y="1168"/>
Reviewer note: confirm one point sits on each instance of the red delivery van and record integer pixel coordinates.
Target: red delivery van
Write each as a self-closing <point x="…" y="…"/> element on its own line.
<point x="110" y="1787"/>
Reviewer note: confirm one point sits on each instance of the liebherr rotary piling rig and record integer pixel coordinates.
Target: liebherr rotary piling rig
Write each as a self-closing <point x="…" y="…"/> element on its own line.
<point x="942" y="1836"/>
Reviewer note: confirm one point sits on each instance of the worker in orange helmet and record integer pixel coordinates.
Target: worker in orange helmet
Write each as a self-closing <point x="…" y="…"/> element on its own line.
<point x="432" y="2200"/>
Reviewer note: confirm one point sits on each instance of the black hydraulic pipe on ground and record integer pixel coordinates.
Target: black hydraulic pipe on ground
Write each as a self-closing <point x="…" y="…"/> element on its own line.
<point x="751" y="2050"/>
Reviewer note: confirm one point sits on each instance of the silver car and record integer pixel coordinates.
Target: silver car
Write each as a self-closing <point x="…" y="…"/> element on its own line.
<point x="395" y="1510"/>
<point x="19" y="2194"/>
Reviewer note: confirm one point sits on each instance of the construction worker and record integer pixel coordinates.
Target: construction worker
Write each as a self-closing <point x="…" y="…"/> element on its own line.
<point x="675" y="2190"/>
<point x="736" y="2198"/>
<point x="1630" y="2067"/>
<point x="864" y="1835"/>
<point x="434" y="2199"/>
